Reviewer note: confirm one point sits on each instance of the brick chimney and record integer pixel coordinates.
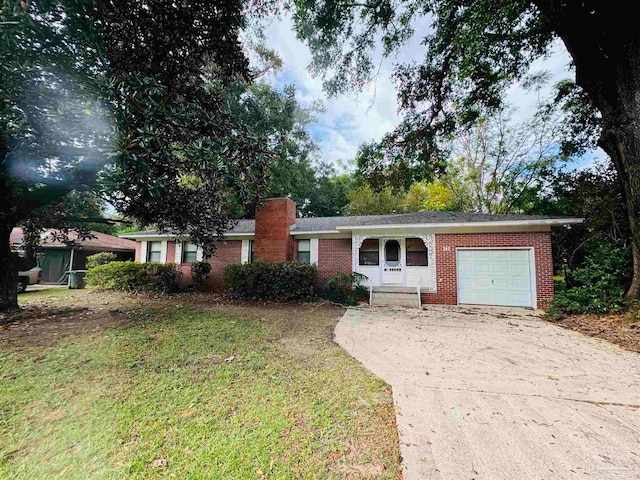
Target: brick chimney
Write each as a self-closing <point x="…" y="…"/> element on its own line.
<point x="273" y="241"/>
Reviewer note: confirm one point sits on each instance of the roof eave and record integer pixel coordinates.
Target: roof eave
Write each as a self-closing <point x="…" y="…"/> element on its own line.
<point x="172" y="235"/>
<point x="507" y="223"/>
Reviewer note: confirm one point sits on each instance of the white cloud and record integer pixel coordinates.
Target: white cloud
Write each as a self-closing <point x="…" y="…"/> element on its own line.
<point x="351" y="119"/>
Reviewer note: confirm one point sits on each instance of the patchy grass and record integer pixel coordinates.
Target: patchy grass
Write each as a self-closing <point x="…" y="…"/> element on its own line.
<point x="181" y="388"/>
<point x="61" y="291"/>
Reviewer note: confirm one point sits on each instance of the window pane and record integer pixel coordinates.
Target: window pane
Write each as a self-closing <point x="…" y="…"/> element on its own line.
<point x="189" y="257"/>
<point x="370" y="244"/>
<point x="369" y="252"/>
<point x="189" y="252"/>
<point x="251" y="250"/>
<point x="416" y="252"/>
<point x="153" y="254"/>
<point x="369" y="258"/>
<point x="417" y="259"/>
<point x="304" y="245"/>
<point x="304" y="257"/>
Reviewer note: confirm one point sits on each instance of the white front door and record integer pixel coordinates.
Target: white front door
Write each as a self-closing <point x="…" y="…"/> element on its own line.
<point x="392" y="268"/>
<point x="495" y="277"/>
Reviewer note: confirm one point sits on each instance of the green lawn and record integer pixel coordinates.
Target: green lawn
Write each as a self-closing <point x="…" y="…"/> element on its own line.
<point x="186" y="389"/>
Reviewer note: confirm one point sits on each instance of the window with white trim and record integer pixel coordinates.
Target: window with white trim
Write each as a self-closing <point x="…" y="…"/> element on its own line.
<point x="304" y="251"/>
<point x="252" y="247"/>
<point x="154" y="250"/>
<point x="189" y="252"/>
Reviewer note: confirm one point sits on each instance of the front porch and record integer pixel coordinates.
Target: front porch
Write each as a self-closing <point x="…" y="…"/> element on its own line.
<point x="396" y="264"/>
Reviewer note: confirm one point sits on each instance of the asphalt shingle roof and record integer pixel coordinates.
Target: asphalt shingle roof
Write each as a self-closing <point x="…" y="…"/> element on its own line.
<point x="319" y="224"/>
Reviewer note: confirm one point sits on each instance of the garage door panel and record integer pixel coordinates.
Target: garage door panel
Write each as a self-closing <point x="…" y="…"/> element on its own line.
<point x="494" y="277"/>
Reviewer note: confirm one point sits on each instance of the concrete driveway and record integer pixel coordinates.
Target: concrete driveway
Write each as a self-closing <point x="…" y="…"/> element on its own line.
<point x="500" y="394"/>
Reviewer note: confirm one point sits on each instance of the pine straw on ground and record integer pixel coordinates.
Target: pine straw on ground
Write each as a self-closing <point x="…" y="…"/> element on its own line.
<point x="623" y="329"/>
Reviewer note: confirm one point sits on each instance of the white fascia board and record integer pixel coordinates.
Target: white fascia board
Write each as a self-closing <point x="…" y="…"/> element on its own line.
<point x="314" y="232"/>
<point x="509" y="223"/>
<point x="171" y="235"/>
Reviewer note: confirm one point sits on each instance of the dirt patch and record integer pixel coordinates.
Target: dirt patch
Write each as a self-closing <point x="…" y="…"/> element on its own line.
<point x="46" y="321"/>
<point x="623" y="329"/>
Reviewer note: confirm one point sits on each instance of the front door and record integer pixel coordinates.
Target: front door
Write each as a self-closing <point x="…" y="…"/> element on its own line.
<point x="392" y="270"/>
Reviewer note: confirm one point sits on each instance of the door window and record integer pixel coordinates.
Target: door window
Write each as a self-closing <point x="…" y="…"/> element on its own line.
<point x="392" y="253"/>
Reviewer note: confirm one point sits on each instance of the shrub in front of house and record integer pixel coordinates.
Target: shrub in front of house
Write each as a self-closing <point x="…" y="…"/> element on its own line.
<point x="271" y="281"/>
<point x="200" y="272"/>
<point x="101" y="258"/>
<point x="345" y="289"/>
<point x="598" y="285"/>
<point x="135" y="277"/>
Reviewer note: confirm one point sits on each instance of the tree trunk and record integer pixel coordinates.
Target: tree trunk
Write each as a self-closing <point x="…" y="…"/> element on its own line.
<point x="622" y="143"/>
<point x="8" y="271"/>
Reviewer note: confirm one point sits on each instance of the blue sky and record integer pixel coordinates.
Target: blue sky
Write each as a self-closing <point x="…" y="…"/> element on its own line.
<point x="350" y="119"/>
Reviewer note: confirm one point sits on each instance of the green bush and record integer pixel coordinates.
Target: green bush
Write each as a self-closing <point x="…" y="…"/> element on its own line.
<point x="598" y="286"/>
<point x="271" y="281"/>
<point x="101" y="258"/>
<point x="135" y="277"/>
<point x="345" y="289"/>
<point x="200" y="272"/>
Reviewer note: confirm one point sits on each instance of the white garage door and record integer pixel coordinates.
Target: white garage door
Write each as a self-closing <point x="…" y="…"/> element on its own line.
<point x="495" y="277"/>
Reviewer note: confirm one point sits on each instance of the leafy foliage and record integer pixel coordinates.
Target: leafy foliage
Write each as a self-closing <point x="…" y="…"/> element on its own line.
<point x="329" y="195"/>
<point x="179" y="142"/>
<point x="135" y="277"/>
<point x="345" y="289"/>
<point x="134" y="96"/>
<point x="281" y="122"/>
<point x="101" y="258"/>
<point x="594" y="194"/>
<point x="597" y="286"/>
<point x="271" y="281"/>
<point x="200" y="272"/>
<point x="421" y="196"/>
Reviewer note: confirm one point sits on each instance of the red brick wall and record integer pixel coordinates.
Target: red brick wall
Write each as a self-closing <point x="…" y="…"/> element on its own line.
<point x="138" y="251"/>
<point x="272" y="236"/>
<point x="446" y="261"/>
<point x="171" y="252"/>
<point x="334" y="255"/>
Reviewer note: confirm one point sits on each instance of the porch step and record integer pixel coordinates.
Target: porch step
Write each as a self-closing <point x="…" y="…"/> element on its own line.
<point x="394" y="289"/>
<point x="395" y="299"/>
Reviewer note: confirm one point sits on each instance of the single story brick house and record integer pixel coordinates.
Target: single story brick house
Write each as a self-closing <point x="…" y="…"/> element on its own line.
<point x="440" y="257"/>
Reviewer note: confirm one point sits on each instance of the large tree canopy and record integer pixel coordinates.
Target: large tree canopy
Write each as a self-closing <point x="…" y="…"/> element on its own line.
<point x="128" y="100"/>
<point x="473" y="51"/>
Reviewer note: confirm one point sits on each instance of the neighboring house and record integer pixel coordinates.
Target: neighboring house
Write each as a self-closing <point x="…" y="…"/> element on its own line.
<point x="56" y="258"/>
<point x="449" y="257"/>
